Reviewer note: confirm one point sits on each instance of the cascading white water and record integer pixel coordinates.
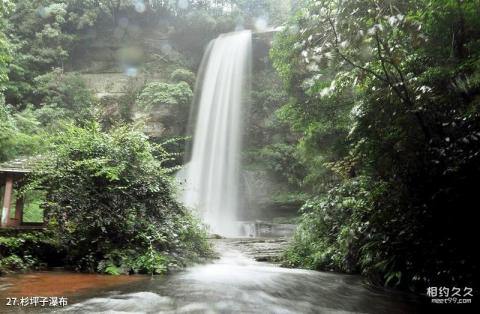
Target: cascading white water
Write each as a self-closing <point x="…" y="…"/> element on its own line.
<point x="212" y="175"/>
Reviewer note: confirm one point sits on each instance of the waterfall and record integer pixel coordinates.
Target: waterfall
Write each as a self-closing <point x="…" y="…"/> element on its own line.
<point x="212" y="175"/>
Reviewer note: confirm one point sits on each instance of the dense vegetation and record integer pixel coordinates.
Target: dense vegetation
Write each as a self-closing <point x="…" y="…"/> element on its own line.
<point x="27" y="250"/>
<point x="385" y="99"/>
<point x="44" y="45"/>
<point x="376" y="130"/>
<point x="105" y="187"/>
<point x="110" y="203"/>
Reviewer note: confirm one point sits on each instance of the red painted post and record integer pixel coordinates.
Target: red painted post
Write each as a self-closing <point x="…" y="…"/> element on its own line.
<point x="7" y="198"/>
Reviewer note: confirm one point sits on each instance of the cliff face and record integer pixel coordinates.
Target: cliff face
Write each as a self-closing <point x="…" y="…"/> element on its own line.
<point x="116" y="68"/>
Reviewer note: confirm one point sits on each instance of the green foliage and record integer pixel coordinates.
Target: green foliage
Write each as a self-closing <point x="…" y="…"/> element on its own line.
<point x="14" y="138"/>
<point x="106" y="192"/>
<point x="117" y="109"/>
<point x="59" y="98"/>
<point x="322" y="122"/>
<point x="7" y="129"/>
<point x="112" y="270"/>
<point x="385" y="97"/>
<point x="274" y="12"/>
<point x="270" y="144"/>
<point x="5" y="57"/>
<point x="267" y="96"/>
<point x="281" y="162"/>
<point x="157" y="94"/>
<point x="28" y="250"/>
<point x="193" y="32"/>
<point x="38" y="98"/>
<point x="170" y="101"/>
<point x="183" y="75"/>
<point x="63" y="94"/>
<point x="330" y="229"/>
<point x="39" y="42"/>
<point x="15" y="263"/>
<point x="129" y="261"/>
<point x="32" y="212"/>
<point x="356" y="227"/>
<point x="152" y="262"/>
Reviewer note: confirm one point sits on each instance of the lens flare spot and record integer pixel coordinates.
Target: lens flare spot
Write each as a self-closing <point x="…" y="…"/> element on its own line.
<point x="166" y="49"/>
<point x="182" y="4"/>
<point x="123" y="22"/>
<point x="139" y="6"/>
<point x="43" y="12"/>
<point x="131" y="71"/>
<point x="261" y="23"/>
<point x="239" y="27"/>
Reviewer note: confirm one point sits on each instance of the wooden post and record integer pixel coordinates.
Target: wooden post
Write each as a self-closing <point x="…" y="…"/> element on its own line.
<point x="7" y="198"/>
<point x="19" y="211"/>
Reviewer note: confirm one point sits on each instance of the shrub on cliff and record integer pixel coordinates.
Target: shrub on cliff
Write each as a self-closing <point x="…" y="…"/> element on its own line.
<point x="183" y="75"/>
<point x="156" y="94"/>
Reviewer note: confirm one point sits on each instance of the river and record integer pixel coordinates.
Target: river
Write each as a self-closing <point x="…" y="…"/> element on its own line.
<point x="233" y="283"/>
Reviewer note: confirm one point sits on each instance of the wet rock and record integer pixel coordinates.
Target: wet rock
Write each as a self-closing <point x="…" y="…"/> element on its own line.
<point x="260" y="249"/>
<point x="215" y="236"/>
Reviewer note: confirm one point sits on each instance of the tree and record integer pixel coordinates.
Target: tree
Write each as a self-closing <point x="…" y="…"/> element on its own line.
<point x="5" y="58"/>
<point x="385" y="97"/>
<point x="64" y="94"/>
<point x="110" y="202"/>
<point x="157" y="94"/>
<point x="39" y="42"/>
<point x="183" y="75"/>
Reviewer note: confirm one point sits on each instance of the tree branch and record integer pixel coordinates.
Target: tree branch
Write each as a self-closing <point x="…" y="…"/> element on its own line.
<point x="350" y="61"/>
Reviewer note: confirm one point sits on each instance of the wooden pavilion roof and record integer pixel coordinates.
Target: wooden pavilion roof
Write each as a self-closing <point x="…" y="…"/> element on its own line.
<point x="19" y="165"/>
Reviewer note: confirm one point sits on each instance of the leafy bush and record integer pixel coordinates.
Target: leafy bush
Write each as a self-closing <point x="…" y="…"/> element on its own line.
<point x="27" y="250"/>
<point x="107" y="193"/>
<point x="18" y="134"/>
<point x="281" y="161"/>
<point x="15" y="263"/>
<point x="267" y="96"/>
<point x="158" y="94"/>
<point x="356" y="228"/>
<point x="183" y="75"/>
<point x="66" y="94"/>
<point x="129" y="261"/>
<point x="328" y="236"/>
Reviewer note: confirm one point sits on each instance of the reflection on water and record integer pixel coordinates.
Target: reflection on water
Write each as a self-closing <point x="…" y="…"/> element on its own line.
<point x="238" y="284"/>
